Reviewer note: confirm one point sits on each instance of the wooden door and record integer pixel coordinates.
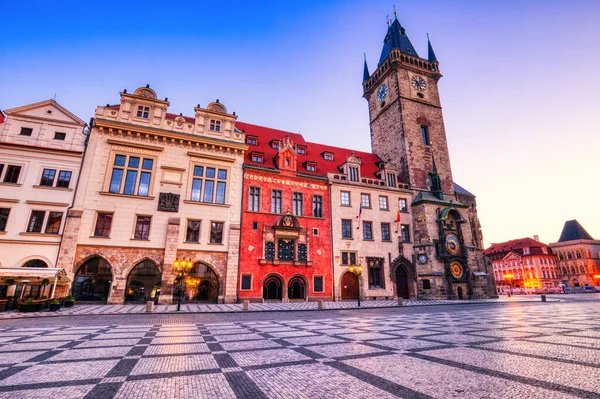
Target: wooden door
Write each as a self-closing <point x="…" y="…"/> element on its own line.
<point x="349" y="286"/>
<point x="401" y="283"/>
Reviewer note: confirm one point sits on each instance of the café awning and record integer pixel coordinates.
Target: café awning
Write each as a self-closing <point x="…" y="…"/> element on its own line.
<point x="34" y="275"/>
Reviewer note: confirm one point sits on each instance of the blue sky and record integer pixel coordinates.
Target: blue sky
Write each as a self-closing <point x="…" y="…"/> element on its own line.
<point x="519" y="89"/>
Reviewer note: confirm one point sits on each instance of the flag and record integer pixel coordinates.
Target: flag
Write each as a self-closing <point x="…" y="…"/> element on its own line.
<point x="397" y="218"/>
<point x="359" y="215"/>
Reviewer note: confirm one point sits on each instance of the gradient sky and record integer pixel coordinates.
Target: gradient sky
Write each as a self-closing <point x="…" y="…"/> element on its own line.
<point x="520" y="86"/>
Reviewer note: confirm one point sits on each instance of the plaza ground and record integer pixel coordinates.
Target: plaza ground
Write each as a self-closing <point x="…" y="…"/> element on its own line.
<point x="476" y="350"/>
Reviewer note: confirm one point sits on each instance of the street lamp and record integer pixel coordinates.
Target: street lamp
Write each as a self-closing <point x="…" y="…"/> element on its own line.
<point x="182" y="267"/>
<point x="596" y="278"/>
<point x="356" y="270"/>
<point x="509" y="277"/>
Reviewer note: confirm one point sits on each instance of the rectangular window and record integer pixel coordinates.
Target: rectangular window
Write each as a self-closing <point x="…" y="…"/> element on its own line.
<point x="36" y="220"/>
<point x="254" y="225"/>
<point x="365" y="200"/>
<point x="275" y="145"/>
<point x="402" y="205"/>
<point x="137" y="175"/>
<point x="12" y="174"/>
<point x="215" y="185"/>
<point x="301" y="150"/>
<point x="215" y="126"/>
<point x="197" y="183"/>
<point x="64" y="179"/>
<point x="60" y="136"/>
<point x="1" y="168"/>
<point x="26" y="131"/>
<point x="425" y="134"/>
<point x="328" y="157"/>
<point x="315" y="231"/>
<point x="53" y="223"/>
<point x="193" y="231"/>
<point x="254" y="199"/>
<point x="353" y="172"/>
<point x="251" y="141"/>
<point x="246" y="282"/>
<point x="391" y="179"/>
<point x="257" y="158"/>
<point x="143" y="112"/>
<point x="367" y="231"/>
<point x="383" y="203"/>
<point x="216" y="232"/>
<point x="318" y="283"/>
<point x="286" y="249"/>
<point x="348" y="258"/>
<point x="375" y="271"/>
<point x="385" y="232"/>
<point x="48" y="177"/>
<point x="298" y="204"/>
<point x="276" y="201"/>
<point x="405" y="233"/>
<point x="346" y="228"/>
<point x="4" y="212"/>
<point x="345" y="198"/>
<point x="426" y="284"/>
<point x="103" y="223"/>
<point x="317" y="206"/>
<point x="142" y="228"/>
<point x="311" y="168"/>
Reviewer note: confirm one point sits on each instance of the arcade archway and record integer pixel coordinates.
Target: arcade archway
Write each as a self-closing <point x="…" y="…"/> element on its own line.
<point x="202" y="285"/>
<point x="273" y="288"/>
<point x="143" y="282"/>
<point x="92" y="281"/>
<point x="297" y="288"/>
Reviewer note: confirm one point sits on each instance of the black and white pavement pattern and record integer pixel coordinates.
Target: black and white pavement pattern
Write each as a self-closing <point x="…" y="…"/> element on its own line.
<point x="549" y="350"/>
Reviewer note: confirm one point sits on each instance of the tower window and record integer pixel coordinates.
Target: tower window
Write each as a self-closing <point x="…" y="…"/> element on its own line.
<point x="425" y="135"/>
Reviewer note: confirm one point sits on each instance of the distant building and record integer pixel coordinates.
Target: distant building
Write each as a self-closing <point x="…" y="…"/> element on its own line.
<point x="41" y="148"/>
<point x="523" y="263"/>
<point x="578" y="256"/>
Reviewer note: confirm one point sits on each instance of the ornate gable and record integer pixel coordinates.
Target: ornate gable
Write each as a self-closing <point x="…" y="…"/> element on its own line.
<point x="287" y="157"/>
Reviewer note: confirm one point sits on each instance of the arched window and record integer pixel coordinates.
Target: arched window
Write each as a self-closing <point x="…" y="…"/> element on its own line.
<point x="564" y="271"/>
<point x="578" y="255"/>
<point x="569" y="255"/>
<point x="573" y="270"/>
<point x="582" y="269"/>
<point x="561" y="256"/>
<point x="35" y="263"/>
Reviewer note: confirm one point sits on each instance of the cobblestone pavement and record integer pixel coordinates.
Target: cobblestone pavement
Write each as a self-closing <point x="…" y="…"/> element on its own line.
<point x="521" y="350"/>
<point x="256" y="307"/>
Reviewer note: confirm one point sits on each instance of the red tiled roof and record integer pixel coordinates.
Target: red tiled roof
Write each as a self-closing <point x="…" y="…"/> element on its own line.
<point x="535" y="247"/>
<point x="187" y="118"/>
<point x="314" y="152"/>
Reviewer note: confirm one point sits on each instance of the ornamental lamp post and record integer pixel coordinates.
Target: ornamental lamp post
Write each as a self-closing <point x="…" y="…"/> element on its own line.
<point x="596" y="278"/>
<point x="509" y="278"/>
<point x="182" y="267"/>
<point x="356" y="270"/>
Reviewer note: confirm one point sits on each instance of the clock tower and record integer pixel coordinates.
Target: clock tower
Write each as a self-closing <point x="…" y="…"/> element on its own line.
<point x="407" y="131"/>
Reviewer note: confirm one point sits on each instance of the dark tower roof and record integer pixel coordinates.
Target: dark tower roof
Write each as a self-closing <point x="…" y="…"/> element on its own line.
<point x="430" y="54"/>
<point x="396" y="38"/>
<point x="573" y="231"/>
<point x="366" y="73"/>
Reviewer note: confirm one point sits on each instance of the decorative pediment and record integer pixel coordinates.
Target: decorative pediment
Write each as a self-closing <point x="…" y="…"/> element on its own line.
<point x="217" y="107"/>
<point x="352" y="159"/>
<point x="48" y="109"/>
<point x="146" y="92"/>
<point x="287" y="222"/>
<point x="512" y="256"/>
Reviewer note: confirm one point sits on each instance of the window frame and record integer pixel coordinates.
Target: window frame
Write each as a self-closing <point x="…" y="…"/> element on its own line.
<point x="297" y="204"/>
<point x="389" y="232"/>
<point x="187" y="231"/>
<point x="317" y="206"/>
<point x="276" y="201"/>
<point x="254" y="199"/>
<point x="94" y="232"/>
<point x="203" y="178"/>
<point x="11" y="168"/>
<point x="26" y="131"/>
<point x="348" y="221"/>
<point x="242" y="281"/>
<point x="56" y="220"/>
<point x="60" y="136"/>
<point x="322" y="277"/>
<point x="4" y="218"/>
<point x="135" y="228"/>
<point x="405" y="208"/>
<point x="405" y="228"/>
<point x="125" y="168"/>
<point x="349" y="256"/>
<point x="342" y="198"/>
<point x="425" y="136"/>
<point x="214" y="125"/>
<point x="353" y="173"/>
<point x="366" y="196"/>
<point x="32" y="228"/>
<point x="143" y="112"/>
<point x="387" y="203"/>
<point x="47" y="177"/>
<point x="366" y="223"/>
<point x="213" y="231"/>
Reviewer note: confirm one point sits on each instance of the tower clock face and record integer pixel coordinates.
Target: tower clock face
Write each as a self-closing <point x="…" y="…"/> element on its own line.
<point x="382" y="92"/>
<point x="452" y="244"/>
<point x="418" y="83"/>
<point x="456" y="270"/>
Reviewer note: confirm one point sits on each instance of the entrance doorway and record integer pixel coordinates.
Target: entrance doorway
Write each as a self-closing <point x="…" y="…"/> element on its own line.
<point x="349" y="286"/>
<point x="459" y="292"/>
<point x="92" y="281"/>
<point x="272" y="288"/>
<point x="143" y="283"/>
<point x="296" y="288"/>
<point x="402" y="282"/>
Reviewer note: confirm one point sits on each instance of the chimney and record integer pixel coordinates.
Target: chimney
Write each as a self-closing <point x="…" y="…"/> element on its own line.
<point x="536" y="237"/>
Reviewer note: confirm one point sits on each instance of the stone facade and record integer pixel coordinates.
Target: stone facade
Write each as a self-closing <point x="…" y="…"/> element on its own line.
<point x="156" y="187"/>
<point x="407" y="130"/>
<point x="578" y="256"/>
<point x="41" y="149"/>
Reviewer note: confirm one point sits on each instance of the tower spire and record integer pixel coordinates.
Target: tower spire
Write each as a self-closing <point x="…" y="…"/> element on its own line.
<point x="430" y="54"/>
<point x="366" y="73"/>
<point x="396" y="38"/>
<point x="436" y="183"/>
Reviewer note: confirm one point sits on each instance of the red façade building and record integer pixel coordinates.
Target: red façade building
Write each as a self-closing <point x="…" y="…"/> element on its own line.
<point x="285" y="251"/>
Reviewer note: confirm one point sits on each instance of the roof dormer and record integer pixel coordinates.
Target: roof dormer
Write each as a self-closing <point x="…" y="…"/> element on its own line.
<point x="286" y="158"/>
<point x="143" y="107"/>
<point x="351" y="167"/>
<point x="327" y="155"/>
<point x="388" y="174"/>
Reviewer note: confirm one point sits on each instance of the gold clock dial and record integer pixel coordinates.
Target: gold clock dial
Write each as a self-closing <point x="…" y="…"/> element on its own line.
<point x="456" y="269"/>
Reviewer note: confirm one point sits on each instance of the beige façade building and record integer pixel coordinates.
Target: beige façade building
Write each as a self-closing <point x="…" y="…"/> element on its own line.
<point x="41" y="149"/>
<point x="371" y="227"/>
<point x="578" y="256"/>
<point x="156" y="187"/>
